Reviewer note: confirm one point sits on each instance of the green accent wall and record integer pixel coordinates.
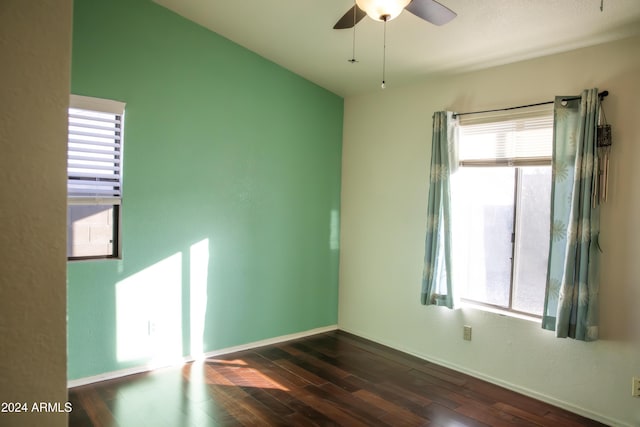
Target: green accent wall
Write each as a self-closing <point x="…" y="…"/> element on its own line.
<point x="231" y="194"/>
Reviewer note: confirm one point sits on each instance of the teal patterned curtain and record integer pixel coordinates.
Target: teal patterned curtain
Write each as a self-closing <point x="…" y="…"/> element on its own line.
<point x="436" y="280"/>
<point x="571" y="301"/>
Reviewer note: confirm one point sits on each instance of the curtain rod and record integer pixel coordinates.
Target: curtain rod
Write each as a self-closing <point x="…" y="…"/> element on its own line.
<point x="600" y="95"/>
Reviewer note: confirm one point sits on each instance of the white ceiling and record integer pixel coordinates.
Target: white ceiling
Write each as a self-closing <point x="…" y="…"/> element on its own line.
<point x="299" y="35"/>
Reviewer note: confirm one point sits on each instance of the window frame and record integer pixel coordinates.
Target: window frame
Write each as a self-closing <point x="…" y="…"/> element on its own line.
<point x="116" y="108"/>
<point x="517" y="218"/>
<point x="517" y="164"/>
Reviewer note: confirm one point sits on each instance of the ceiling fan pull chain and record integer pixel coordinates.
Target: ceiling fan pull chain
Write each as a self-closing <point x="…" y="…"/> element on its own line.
<point x="353" y="59"/>
<point x="384" y="51"/>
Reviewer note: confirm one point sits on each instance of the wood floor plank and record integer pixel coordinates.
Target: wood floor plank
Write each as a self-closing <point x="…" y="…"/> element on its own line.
<point x="78" y="416"/>
<point x="297" y="419"/>
<point x="492" y="415"/>
<point x="442" y="416"/>
<point x="392" y="394"/>
<point x="558" y="417"/>
<point x="278" y="374"/>
<point x="343" y="397"/>
<point x="294" y="368"/>
<point x="394" y="414"/>
<point x="208" y="413"/>
<point x="533" y="418"/>
<point x="328" y="409"/>
<point x="416" y="398"/>
<point x="326" y="373"/>
<point x="96" y="409"/>
<point x="330" y="364"/>
<point x="330" y="379"/>
<point x="273" y="353"/>
<point x="266" y="399"/>
<point x="499" y="394"/>
<point x="430" y="387"/>
<point x="356" y="408"/>
<point x="236" y="403"/>
<point x="301" y="411"/>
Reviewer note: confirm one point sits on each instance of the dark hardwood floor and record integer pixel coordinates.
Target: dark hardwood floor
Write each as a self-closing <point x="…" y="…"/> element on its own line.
<point x="329" y="379"/>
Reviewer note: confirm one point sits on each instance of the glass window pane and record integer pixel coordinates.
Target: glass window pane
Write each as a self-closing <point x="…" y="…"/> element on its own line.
<point x="90" y="230"/>
<point x="484" y="212"/>
<point x="532" y="239"/>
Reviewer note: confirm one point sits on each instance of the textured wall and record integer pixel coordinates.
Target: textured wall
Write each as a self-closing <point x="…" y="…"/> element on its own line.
<point x="384" y="197"/>
<point x="231" y="194"/>
<point x="35" y="44"/>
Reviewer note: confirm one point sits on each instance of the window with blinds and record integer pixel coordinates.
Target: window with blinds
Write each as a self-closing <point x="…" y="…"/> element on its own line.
<point x="501" y="197"/>
<point x="514" y="139"/>
<point x="94" y="179"/>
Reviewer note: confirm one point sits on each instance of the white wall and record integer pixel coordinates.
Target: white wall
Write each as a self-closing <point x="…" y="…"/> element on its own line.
<point x="35" y="52"/>
<point x="386" y="154"/>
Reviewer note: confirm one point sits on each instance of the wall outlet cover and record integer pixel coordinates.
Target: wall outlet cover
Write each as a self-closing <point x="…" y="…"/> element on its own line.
<point x="467" y="333"/>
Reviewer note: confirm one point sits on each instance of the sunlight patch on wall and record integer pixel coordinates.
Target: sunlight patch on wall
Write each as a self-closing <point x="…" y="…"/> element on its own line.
<point x="149" y="314"/>
<point x="334" y="230"/>
<point x="199" y="272"/>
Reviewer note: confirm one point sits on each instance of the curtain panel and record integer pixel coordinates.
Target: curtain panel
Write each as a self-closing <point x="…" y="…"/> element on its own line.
<point x="571" y="300"/>
<point x="437" y="287"/>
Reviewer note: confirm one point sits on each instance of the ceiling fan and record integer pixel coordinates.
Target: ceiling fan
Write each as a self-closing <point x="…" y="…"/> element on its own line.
<point x="385" y="10"/>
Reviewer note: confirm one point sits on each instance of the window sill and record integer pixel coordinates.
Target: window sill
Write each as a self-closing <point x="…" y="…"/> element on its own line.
<point x="495" y="310"/>
<point x="88" y="259"/>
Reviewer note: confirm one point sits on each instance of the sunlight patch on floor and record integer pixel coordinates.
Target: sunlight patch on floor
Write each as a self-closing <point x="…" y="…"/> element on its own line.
<point x="238" y="373"/>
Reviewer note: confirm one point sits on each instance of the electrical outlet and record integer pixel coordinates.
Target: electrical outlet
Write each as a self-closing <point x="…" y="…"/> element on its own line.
<point x="635" y="383"/>
<point x="467" y="333"/>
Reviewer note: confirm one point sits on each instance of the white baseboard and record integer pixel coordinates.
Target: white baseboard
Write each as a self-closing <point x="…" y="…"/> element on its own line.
<point x="150" y="367"/>
<point x="514" y="387"/>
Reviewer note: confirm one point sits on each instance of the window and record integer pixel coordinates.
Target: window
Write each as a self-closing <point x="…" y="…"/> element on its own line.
<point x="94" y="162"/>
<point x="501" y="195"/>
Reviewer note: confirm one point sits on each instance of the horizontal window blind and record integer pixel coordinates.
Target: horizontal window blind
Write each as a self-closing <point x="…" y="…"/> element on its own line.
<point x="521" y="139"/>
<point x="94" y="152"/>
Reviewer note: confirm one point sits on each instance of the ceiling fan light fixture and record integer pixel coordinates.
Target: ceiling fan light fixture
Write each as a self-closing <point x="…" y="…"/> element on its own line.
<point x="382" y="10"/>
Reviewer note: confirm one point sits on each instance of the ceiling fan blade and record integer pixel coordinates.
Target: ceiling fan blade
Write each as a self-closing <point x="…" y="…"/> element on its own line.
<point x="347" y="21"/>
<point x="431" y="11"/>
